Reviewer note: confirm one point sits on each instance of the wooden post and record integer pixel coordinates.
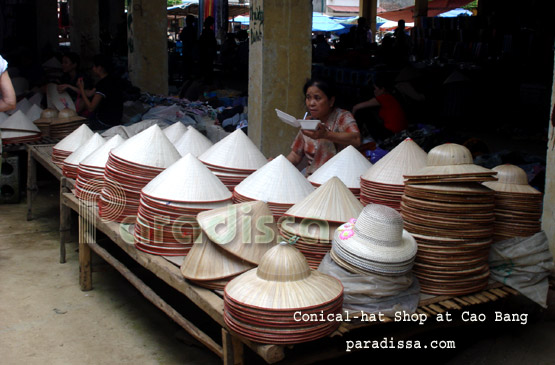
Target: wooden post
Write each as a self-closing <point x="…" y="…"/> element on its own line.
<point x="65" y="221"/>
<point x="31" y="182"/>
<point x="369" y="10"/>
<point x="420" y="11"/>
<point x="85" y="265"/>
<point x="232" y="349"/>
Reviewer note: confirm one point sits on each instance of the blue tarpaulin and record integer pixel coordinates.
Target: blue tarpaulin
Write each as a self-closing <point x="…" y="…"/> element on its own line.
<point x="455" y="12"/>
<point x="320" y="23"/>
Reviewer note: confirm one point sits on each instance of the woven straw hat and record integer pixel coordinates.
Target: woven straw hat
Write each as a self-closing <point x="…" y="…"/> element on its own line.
<point x="187" y="180"/>
<point x="450" y="159"/>
<point x="149" y="148"/>
<point x="378" y="236"/>
<point x="47" y="116"/>
<point x="234" y="151"/>
<point x="208" y="261"/>
<point x="332" y="201"/>
<point x="175" y="131"/>
<point x="511" y="179"/>
<point x="67" y="115"/>
<point x="75" y="139"/>
<point x="283" y="280"/>
<point x="99" y="157"/>
<point x="246" y="230"/>
<point x="404" y="159"/>
<point x="192" y="142"/>
<point x="58" y="100"/>
<point x="19" y="122"/>
<point x="278" y="182"/>
<point x="85" y="150"/>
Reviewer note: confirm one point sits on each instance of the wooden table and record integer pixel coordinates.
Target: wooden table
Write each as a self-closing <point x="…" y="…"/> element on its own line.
<point x="231" y="349"/>
<point x="43" y="155"/>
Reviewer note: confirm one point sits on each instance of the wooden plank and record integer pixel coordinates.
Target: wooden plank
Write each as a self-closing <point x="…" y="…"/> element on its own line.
<point x="461" y="301"/>
<point x="450" y="304"/>
<point x="499" y="292"/>
<point x="232" y="349"/>
<point x="427" y="309"/>
<point x="488" y="294"/>
<point x="510" y="290"/>
<point x="434" y="299"/>
<point x="481" y="297"/>
<point x="436" y="308"/>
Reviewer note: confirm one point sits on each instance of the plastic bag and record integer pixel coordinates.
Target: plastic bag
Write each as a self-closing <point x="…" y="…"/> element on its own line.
<point x="524" y="264"/>
<point x="374" y="293"/>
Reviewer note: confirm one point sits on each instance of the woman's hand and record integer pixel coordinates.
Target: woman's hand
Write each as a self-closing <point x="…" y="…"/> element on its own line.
<point x="62" y="87"/>
<point x="80" y="84"/>
<point x="319" y="133"/>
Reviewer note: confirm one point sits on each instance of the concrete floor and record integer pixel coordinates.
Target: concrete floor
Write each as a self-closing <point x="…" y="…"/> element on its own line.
<point x="46" y="319"/>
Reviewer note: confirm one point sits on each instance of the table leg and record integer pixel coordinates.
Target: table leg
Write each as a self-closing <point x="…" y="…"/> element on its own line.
<point x="31" y="183"/>
<point x="85" y="264"/>
<point x="232" y="348"/>
<point x="65" y="222"/>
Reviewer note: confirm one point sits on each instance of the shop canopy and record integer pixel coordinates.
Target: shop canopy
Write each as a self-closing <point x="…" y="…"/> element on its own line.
<point x="391" y="25"/>
<point x="320" y="23"/>
<point x="455" y="13"/>
<point x="435" y="7"/>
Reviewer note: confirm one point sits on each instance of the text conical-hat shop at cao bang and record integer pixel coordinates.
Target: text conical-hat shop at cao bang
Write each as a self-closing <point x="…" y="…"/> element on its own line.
<point x="450" y="214"/>
<point x="233" y="158"/>
<point x="383" y="183"/>
<point x="130" y="167"/>
<point x="90" y="173"/>
<point x="71" y="163"/>
<point x="314" y="219"/>
<point x="261" y="303"/>
<point x="518" y="206"/>
<point x="348" y="165"/>
<point x="166" y="220"/>
<point x="70" y="143"/>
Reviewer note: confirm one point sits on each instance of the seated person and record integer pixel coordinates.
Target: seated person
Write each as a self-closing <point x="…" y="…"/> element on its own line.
<point x="386" y="119"/>
<point x="68" y="81"/>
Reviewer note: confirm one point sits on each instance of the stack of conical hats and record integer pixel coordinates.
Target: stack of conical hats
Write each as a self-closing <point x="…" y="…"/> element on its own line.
<point x="374" y="243"/>
<point x="65" y="123"/>
<point x="348" y="165"/>
<point x="264" y="303"/>
<point x="71" y="163"/>
<point x="235" y="240"/>
<point x="130" y="167"/>
<point x="175" y="131"/>
<point x="47" y="116"/>
<point x="278" y="183"/>
<point x="19" y="129"/>
<point x="166" y="220"/>
<point x="70" y="143"/>
<point x="34" y="112"/>
<point x="90" y="174"/>
<point x="450" y="214"/>
<point x="518" y="206"/>
<point x="314" y="219"/>
<point x="383" y="183"/>
<point x="3" y="117"/>
<point x="233" y="158"/>
<point x="58" y="100"/>
<point x="192" y="142"/>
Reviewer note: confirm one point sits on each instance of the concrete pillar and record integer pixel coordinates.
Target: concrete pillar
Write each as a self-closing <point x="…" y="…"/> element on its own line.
<point x="85" y="29"/>
<point x="280" y="59"/>
<point x="420" y="11"/>
<point x="369" y="10"/>
<point x="148" y="45"/>
<point x="548" y="217"/>
<point x="47" y="26"/>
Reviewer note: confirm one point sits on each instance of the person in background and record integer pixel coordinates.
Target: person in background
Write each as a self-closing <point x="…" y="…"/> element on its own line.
<point x="387" y="116"/>
<point x="337" y="128"/>
<point x="68" y="81"/>
<point x="8" y="99"/>
<point x="107" y="101"/>
<point x="208" y="48"/>
<point x="188" y="38"/>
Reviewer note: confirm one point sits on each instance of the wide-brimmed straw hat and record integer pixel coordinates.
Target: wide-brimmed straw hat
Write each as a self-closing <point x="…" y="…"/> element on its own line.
<point x="511" y="179"/>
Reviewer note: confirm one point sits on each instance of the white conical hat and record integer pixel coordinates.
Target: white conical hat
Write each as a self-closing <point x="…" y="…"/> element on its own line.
<point x="187" y="180"/>
<point x="24" y="105"/>
<point x="404" y="159"/>
<point x="75" y="139"/>
<point x="34" y="112"/>
<point x="332" y="201"/>
<point x="235" y="151"/>
<point x="6" y="134"/>
<point x="278" y="182"/>
<point x="58" y="100"/>
<point x="192" y="142"/>
<point x="348" y="165"/>
<point x="175" y="131"/>
<point x="3" y="117"/>
<point x="99" y="157"/>
<point x="19" y="122"/>
<point x="36" y="99"/>
<point x="151" y="148"/>
<point x="86" y="149"/>
<point x="52" y="62"/>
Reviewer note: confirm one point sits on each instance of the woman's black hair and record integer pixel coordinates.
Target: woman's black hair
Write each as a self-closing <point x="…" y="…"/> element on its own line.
<point x="327" y="86"/>
<point x="103" y="61"/>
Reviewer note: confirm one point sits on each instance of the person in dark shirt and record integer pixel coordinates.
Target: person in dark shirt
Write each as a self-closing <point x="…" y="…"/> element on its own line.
<point x="107" y="102"/>
<point x="208" y="48"/>
<point x="68" y="80"/>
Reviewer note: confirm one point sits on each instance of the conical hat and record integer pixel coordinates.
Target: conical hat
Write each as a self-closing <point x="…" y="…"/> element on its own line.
<point x="3" y="117"/>
<point x="36" y="99"/>
<point x="511" y="179"/>
<point x="19" y="122"/>
<point x="24" y="105"/>
<point x="207" y="261"/>
<point x="99" y="157"/>
<point x="332" y="201"/>
<point x="58" y="100"/>
<point x="278" y="182"/>
<point x="148" y="148"/>
<point x="283" y="280"/>
<point x="187" y="180"/>
<point x="7" y="134"/>
<point x="75" y="139"/>
<point x="34" y="112"/>
<point x="235" y="151"/>
<point x="86" y="149"/>
<point x="246" y="230"/>
<point x="52" y="62"/>
<point x="348" y="165"/>
<point x="450" y="159"/>
<point x="404" y="159"/>
<point x="192" y="142"/>
<point x="175" y="131"/>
